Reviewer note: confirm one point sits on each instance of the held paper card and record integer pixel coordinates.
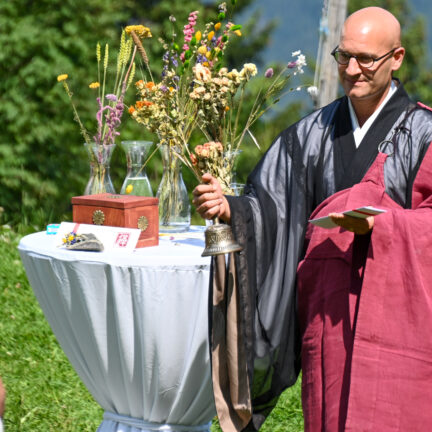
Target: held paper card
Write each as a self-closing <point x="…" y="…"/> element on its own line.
<point x="113" y="238"/>
<point x="360" y="212"/>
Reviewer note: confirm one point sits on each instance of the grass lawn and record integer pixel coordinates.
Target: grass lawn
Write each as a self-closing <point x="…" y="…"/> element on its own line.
<point x="43" y="391"/>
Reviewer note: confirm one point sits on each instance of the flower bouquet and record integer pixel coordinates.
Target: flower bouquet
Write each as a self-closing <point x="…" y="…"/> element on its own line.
<point x="196" y="92"/>
<point x="219" y="95"/>
<point x="110" y="107"/>
<point x="165" y="107"/>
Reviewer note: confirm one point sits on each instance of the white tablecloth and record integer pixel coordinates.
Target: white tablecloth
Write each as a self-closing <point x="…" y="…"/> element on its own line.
<point x="133" y="325"/>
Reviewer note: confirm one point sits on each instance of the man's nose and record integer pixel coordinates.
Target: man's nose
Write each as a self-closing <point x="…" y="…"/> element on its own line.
<point x="353" y="68"/>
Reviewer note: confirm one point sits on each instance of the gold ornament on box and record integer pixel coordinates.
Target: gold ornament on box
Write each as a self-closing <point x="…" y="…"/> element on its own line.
<point x="142" y="223"/>
<point x="98" y="217"/>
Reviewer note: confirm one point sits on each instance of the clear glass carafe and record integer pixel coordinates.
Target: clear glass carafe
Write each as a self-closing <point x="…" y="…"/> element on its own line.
<point x="100" y="158"/>
<point x="136" y="181"/>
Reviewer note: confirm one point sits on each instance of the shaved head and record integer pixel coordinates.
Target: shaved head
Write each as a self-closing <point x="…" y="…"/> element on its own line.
<point x="376" y="23"/>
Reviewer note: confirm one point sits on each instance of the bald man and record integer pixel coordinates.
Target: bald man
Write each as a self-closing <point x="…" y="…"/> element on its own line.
<point x="357" y="315"/>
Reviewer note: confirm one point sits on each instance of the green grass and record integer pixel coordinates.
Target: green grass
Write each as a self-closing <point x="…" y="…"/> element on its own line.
<point x="43" y="391"/>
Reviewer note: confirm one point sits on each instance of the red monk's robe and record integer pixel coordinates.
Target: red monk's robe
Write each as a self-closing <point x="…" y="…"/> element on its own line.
<point x="365" y="311"/>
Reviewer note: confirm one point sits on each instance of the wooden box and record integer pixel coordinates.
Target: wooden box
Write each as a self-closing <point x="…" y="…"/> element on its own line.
<point x="122" y="211"/>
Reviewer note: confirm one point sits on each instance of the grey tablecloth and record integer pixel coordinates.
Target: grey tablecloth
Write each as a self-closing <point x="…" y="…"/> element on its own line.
<point x="134" y="327"/>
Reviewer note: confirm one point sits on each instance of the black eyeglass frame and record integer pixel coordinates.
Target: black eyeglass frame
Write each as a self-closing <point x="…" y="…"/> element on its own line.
<point x="374" y="60"/>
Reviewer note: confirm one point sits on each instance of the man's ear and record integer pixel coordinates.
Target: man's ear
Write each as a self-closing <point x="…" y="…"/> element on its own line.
<point x="398" y="57"/>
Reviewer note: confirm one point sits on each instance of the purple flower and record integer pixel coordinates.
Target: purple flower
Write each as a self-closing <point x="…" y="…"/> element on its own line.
<point x="269" y="73"/>
<point x="111" y="97"/>
<point x="292" y="64"/>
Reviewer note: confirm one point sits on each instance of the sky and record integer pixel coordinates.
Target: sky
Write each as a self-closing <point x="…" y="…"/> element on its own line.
<point x="298" y="25"/>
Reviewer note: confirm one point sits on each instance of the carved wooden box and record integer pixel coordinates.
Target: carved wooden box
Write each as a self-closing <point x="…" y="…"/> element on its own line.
<point x="122" y="211"/>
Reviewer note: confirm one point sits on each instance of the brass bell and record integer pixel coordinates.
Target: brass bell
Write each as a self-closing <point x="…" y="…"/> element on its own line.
<point x="219" y="240"/>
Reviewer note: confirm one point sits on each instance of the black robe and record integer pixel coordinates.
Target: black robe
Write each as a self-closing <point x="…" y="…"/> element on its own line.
<point x="308" y="162"/>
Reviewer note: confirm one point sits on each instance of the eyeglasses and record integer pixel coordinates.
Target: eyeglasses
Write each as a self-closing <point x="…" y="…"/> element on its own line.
<point x="343" y="58"/>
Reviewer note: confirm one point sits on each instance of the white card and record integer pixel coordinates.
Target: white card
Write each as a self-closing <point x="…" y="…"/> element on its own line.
<point x="113" y="238"/>
<point x="360" y="212"/>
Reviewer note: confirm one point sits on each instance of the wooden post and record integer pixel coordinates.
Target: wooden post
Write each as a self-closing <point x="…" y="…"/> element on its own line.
<point x="328" y="81"/>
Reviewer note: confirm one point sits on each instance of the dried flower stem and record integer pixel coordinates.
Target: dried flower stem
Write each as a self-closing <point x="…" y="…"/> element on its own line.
<point x="84" y="132"/>
<point x="142" y="51"/>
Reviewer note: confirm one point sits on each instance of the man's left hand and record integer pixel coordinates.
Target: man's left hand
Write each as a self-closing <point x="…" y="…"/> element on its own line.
<point x="353" y="224"/>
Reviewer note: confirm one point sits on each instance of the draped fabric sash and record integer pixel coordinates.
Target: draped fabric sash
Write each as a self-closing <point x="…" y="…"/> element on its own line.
<point x="145" y="426"/>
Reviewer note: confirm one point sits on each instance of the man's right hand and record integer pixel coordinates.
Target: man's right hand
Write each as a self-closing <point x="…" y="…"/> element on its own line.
<point x="210" y="201"/>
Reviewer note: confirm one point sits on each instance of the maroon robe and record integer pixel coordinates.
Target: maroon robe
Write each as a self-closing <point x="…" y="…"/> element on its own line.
<point x="365" y="311"/>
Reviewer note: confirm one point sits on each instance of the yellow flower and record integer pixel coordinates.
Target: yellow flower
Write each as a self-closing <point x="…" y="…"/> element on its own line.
<point x="210" y="36"/>
<point x="94" y="85"/>
<point x="202" y="49"/>
<point x="129" y="189"/>
<point x="198" y="36"/>
<point x="140" y="30"/>
<point x="62" y="77"/>
<point x="217" y="26"/>
<point x="206" y="64"/>
<point x="237" y="32"/>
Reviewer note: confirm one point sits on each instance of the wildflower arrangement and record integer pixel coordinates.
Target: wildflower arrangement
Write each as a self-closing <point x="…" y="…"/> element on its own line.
<point x="110" y="107"/>
<point x="219" y="96"/>
<point x="196" y="92"/>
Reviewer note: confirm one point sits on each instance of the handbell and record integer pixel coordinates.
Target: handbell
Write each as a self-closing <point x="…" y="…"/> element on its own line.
<point x="219" y="240"/>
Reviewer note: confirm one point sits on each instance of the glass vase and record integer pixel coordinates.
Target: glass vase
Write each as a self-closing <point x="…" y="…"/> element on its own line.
<point x="136" y="181"/>
<point x="174" y="206"/>
<point x="100" y="158"/>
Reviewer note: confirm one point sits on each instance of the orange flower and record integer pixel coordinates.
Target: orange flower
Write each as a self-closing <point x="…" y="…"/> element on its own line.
<point x="131" y="110"/>
<point x="142" y="104"/>
<point x="150" y="85"/>
<point x="139" y="83"/>
<point x="193" y="159"/>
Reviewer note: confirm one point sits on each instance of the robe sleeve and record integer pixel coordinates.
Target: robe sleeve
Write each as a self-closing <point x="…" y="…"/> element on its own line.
<point x="269" y="222"/>
<point x="392" y="367"/>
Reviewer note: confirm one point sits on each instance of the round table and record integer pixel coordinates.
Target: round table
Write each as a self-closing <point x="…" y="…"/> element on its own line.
<point x="134" y="326"/>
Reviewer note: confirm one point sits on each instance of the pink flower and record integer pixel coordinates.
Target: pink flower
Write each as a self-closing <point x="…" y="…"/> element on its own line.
<point x="269" y="73"/>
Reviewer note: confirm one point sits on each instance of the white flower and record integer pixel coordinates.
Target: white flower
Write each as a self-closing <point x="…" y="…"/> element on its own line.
<point x="296" y="53"/>
<point x="249" y="70"/>
<point x="313" y="91"/>
<point x="301" y="63"/>
<point x="202" y="73"/>
<point x="223" y="71"/>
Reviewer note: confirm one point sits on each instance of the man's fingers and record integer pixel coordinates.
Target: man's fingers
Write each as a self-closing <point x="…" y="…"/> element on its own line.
<point x="353" y="224"/>
<point x="209" y="205"/>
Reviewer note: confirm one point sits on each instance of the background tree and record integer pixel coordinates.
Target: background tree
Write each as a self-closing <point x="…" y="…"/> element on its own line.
<point x="42" y="158"/>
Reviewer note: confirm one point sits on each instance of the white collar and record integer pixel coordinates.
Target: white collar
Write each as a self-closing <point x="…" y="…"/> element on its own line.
<point x="360" y="132"/>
